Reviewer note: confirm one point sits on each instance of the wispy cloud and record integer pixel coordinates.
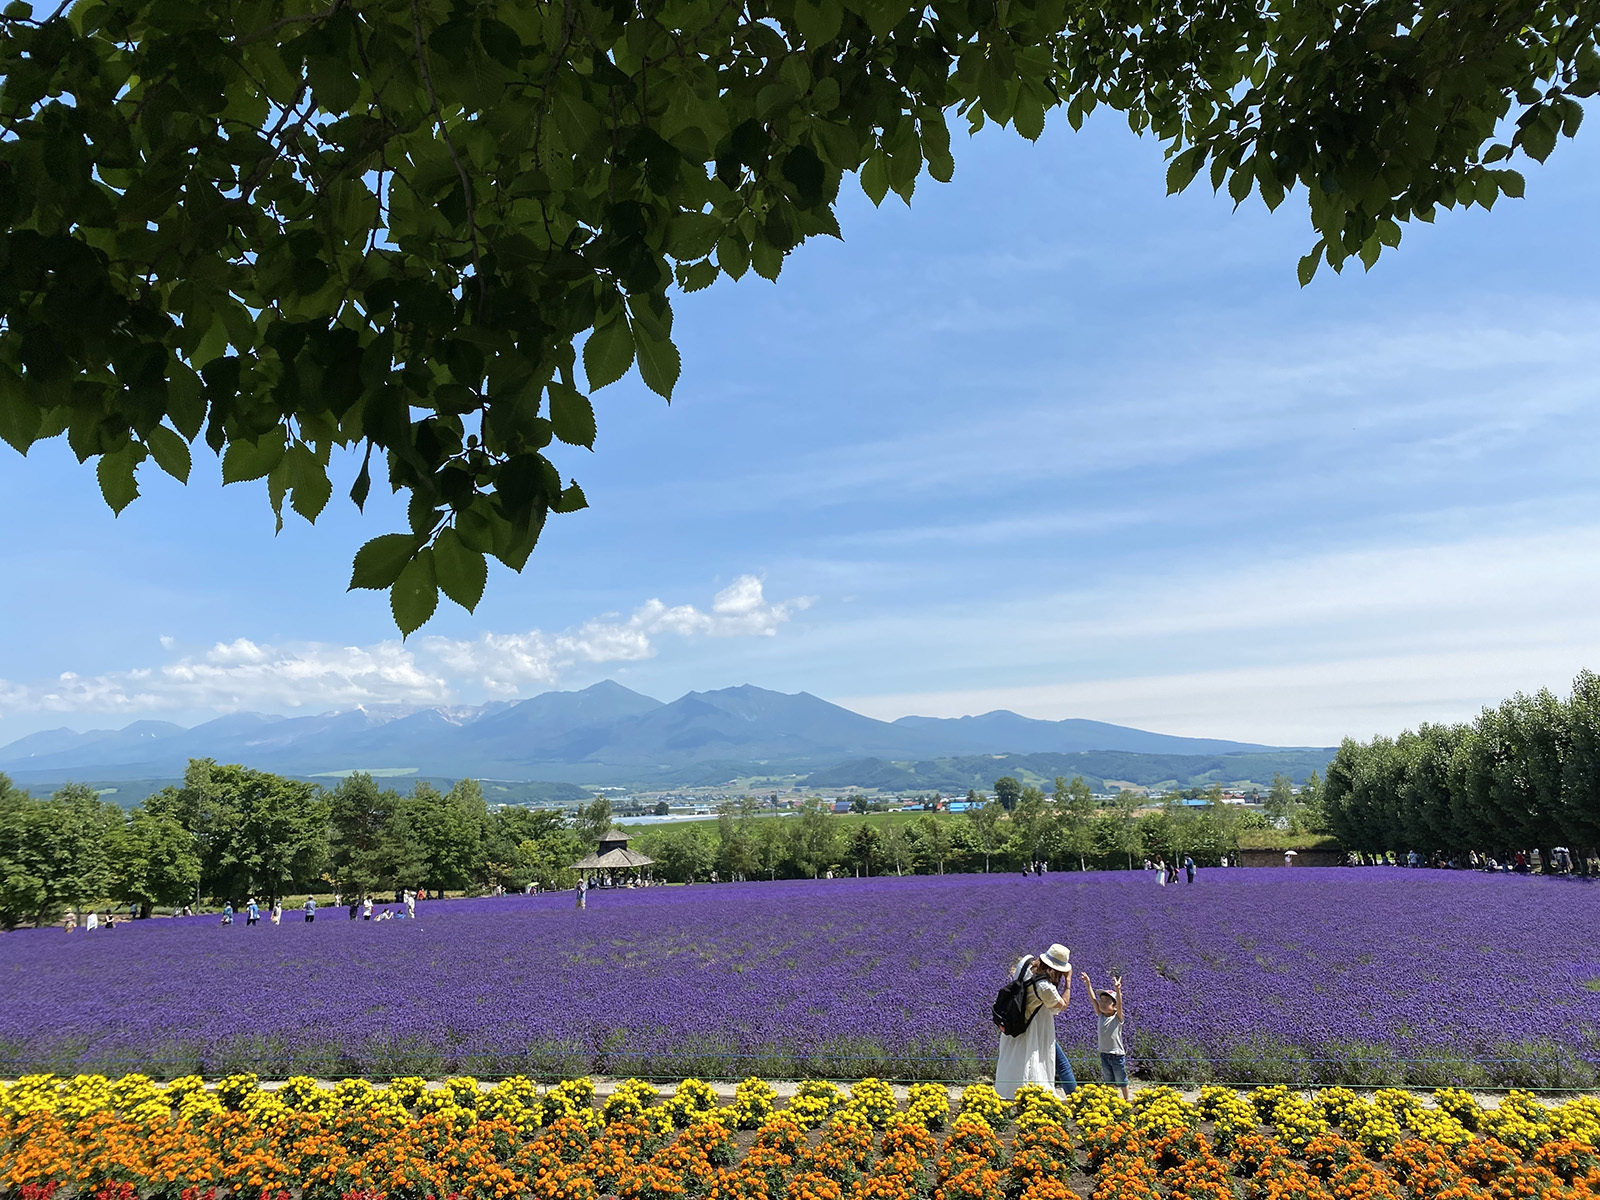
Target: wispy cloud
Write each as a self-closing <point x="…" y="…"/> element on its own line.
<point x="1302" y="649"/>
<point x="430" y="670"/>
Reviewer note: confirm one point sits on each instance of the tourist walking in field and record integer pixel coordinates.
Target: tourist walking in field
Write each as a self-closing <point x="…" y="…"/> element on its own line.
<point x="70" y="921"/>
<point x="1032" y="1055"/>
<point x="1108" y="1015"/>
<point x="366" y="908"/>
<point x="252" y="913"/>
<point x="277" y="912"/>
<point x="92" y="922"/>
<point x="227" y="912"/>
<point x="411" y="906"/>
<point x="583" y="892"/>
<point x="311" y="909"/>
<point x="1188" y="867"/>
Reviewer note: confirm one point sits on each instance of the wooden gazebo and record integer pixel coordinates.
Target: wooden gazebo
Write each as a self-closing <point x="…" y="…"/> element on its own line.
<point x="612" y="854"/>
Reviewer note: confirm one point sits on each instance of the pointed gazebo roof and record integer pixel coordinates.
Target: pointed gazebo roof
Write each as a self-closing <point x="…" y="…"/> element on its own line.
<point x="612" y="854"/>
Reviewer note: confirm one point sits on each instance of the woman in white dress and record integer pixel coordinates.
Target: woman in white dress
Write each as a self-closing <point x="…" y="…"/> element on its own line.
<point x="1030" y="1057"/>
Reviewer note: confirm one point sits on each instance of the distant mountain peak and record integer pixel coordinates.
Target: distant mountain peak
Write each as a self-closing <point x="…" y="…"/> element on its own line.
<point x="605" y="732"/>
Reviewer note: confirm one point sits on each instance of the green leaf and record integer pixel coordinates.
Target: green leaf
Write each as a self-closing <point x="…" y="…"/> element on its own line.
<point x="170" y="451"/>
<point x="693" y="234"/>
<point x="659" y="365"/>
<point x="820" y="22"/>
<point x="767" y="259"/>
<point x="875" y="177"/>
<point x="379" y="563"/>
<point x="186" y="402"/>
<point x="1308" y="265"/>
<point x="245" y="460"/>
<point x="308" y="479"/>
<point x="1183" y="168"/>
<point x="571" y="415"/>
<point x="415" y="595"/>
<point x="462" y="571"/>
<point x="1538" y="136"/>
<point x="572" y="500"/>
<point x="608" y="353"/>
<point x="1028" y="115"/>
<point x="733" y="255"/>
<point x="697" y="276"/>
<point x="20" y="418"/>
<point x="1239" y="183"/>
<point x="115" y="471"/>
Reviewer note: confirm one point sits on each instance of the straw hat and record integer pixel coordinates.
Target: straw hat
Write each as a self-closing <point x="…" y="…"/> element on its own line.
<point x="1057" y="958"/>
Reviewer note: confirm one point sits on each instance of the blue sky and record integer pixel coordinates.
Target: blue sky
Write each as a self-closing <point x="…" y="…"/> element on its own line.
<point x="1048" y="440"/>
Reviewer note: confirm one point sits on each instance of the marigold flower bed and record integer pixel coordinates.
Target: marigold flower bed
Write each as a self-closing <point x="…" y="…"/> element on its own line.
<point x="132" y="1139"/>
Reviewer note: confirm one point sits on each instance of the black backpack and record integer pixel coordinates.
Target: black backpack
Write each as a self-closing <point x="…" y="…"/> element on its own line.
<point x="1011" y="1005"/>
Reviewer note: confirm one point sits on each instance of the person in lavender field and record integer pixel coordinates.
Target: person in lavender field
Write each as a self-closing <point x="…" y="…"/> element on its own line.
<point x="1034" y="1055"/>
<point x="70" y="921"/>
<point x="311" y="909"/>
<point x="252" y="913"/>
<point x="1188" y="868"/>
<point x="1108" y="1019"/>
<point x="277" y="912"/>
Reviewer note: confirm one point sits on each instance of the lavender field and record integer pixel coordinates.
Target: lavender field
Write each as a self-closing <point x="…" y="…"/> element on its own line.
<point x="1368" y="975"/>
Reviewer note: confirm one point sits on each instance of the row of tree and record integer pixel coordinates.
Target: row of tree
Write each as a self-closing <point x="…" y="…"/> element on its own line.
<point x="1522" y="776"/>
<point x="228" y="833"/>
<point x="1069" y="829"/>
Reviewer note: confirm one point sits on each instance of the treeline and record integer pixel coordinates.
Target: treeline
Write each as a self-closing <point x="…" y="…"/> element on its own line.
<point x="1020" y="826"/>
<point x="1524" y="776"/>
<point x="229" y="833"/>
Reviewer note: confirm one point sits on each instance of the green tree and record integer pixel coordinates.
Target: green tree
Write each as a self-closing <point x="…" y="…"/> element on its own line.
<point x="866" y="849"/>
<point x="985" y="822"/>
<point x="771" y="847"/>
<point x="1280" y="802"/>
<point x="896" y="847"/>
<point x="364" y="837"/>
<point x="72" y="836"/>
<point x="23" y="868"/>
<point x="933" y="841"/>
<point x="1030" y="821"/>
<point x="399" y="222"/>
<point x="449" y="834"/>
<point x="1007" y="791"/>
<point x="153" y="861"/>
<point x="1074" y="814"/>
<point x="662" y="808"/>
<point x="684" y="854"/>
<point x="593" y="820"/>
<point x="813" y="839"/>
<point x="736" y="853"/>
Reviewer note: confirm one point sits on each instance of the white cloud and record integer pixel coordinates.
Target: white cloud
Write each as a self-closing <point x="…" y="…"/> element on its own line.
<point x="1297" y="651"/>
<point x="503" y="663"/>
<point x="429" y="670"/>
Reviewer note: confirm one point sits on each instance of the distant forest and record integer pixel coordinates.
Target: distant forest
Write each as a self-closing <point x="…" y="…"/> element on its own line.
<point x="1097" y="767"/>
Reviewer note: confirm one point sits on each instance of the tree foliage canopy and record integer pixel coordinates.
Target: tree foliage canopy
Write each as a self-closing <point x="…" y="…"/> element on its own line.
<point x="1523" y="775"/>
<point x="288" y="226"/>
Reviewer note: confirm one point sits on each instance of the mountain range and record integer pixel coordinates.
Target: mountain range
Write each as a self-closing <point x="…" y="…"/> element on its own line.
<point x="606" y="733"/>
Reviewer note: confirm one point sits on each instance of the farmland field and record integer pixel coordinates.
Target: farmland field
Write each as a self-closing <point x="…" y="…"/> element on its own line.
<point x="1367" y="975"/>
